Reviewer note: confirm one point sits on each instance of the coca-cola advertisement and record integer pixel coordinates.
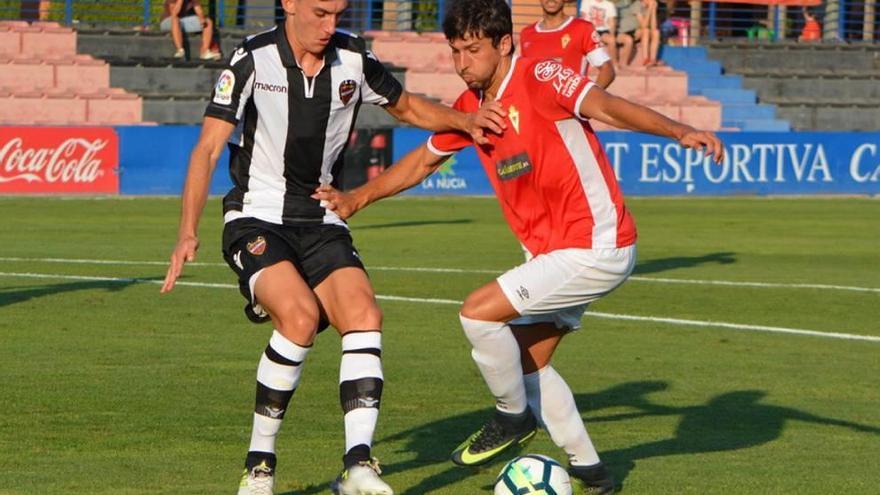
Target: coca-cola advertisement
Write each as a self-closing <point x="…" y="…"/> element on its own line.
<point x="59" y="160"/>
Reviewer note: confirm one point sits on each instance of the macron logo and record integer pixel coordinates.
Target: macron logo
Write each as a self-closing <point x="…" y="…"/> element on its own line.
<point x="271" y="88"/>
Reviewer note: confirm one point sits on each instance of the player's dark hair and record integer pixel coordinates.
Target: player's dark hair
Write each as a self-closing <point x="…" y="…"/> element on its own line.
<point x="478" y="18"/>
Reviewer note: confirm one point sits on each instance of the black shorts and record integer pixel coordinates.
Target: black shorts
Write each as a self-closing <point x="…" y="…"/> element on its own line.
<point x="249" y="245"/>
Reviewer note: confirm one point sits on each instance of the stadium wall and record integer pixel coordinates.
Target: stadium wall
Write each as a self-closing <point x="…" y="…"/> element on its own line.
<point x="152" y="160"/>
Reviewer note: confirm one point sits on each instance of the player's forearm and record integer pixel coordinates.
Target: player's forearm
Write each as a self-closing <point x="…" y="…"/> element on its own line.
<point x="409" y="171"/>
<point x="195" y="191"/>
<point x="426" y="114"/>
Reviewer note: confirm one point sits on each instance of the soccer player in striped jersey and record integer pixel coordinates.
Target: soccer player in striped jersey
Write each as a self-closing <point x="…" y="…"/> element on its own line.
<point x="285" y="105"/>
<point x="560" y="197"/>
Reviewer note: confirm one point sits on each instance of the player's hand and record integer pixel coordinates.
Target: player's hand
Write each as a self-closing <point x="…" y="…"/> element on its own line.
<point x="184" y="251"/>
<point x="705" y="141"/>
<point x="490" y="117"/>
<point x="340" y="202"/>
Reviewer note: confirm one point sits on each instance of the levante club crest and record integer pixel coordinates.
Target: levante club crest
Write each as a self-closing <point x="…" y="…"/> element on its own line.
<point x="346" y="90"/>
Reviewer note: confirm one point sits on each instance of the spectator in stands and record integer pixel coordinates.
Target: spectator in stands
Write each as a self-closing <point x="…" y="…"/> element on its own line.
<point x="187" y="15"/>
<point x="627" y="28"/>
<point x="603" y="15"/>
<point x="574" y="42"/>
<point x="648" y="34"/>
<point x="812" y="30"/>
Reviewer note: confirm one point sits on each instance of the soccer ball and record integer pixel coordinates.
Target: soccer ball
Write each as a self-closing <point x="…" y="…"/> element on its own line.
<point x="533" y="474"/>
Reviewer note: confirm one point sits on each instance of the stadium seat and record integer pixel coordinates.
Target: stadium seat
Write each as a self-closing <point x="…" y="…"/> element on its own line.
<point x="82" y="74"/>
<point x="10" y="42"/>
<point x="117" y="109"/>
<point x="26" y="73"/>
<point x="48" y="42"/>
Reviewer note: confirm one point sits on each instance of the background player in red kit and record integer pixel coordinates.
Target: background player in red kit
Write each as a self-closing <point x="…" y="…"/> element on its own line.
<point x="560" y="197"/>
<point x="570" y="40"/>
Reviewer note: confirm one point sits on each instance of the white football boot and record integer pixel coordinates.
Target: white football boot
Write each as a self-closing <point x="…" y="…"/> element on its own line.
<point x="258" y="480"/>
<point x="361" y="479"/>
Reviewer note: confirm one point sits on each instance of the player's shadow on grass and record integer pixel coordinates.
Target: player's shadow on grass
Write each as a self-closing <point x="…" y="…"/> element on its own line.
<point x="16" y="295"/>
<point x="414" y="223"/>
<point x="664" y="264"/>
<point x="730" y="421"/>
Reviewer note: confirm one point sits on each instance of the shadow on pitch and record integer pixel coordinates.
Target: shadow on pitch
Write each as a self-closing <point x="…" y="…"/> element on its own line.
<point x="729" y="421"/>
<point x="664" y="264"/>
<point x="16" y="295"/>
<point x="411" y="224"/>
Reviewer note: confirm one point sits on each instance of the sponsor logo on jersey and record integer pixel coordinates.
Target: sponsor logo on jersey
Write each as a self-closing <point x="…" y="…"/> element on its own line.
<point x="547" y="70"/>
<point x="271" y="88"/>
<point x="566" y="39"/>
<point x="224" y="87"/>
<point x="513" y="167"/>
<point x="257" y="246"/>
<point x="238" y="55"/>
<point x="346" y="90"/>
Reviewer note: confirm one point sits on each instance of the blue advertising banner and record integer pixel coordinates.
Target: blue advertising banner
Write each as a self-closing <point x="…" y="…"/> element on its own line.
<point x="154" y="159"/>
<point x="756" y="163"/>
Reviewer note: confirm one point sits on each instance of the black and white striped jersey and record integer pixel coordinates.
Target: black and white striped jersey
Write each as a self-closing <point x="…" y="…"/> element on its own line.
<point x="291" y="130"/>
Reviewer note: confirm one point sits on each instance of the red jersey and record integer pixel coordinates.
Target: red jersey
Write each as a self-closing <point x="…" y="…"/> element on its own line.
<point x="550" y="174"/>
<point x="575" y="43"/>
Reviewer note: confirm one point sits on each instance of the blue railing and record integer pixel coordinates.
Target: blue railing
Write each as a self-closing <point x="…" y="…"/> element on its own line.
<point x="849" y="20"/>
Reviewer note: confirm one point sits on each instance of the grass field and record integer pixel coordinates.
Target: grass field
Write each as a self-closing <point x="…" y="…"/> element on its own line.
<point x="108" y="388"/>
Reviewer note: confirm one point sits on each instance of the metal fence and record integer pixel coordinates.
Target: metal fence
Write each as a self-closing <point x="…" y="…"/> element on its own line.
<point x="844" y="20"/>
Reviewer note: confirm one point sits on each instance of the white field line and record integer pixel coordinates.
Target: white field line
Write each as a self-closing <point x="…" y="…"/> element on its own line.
<point x="635" y="278"/>
<point x="612" y="316"/>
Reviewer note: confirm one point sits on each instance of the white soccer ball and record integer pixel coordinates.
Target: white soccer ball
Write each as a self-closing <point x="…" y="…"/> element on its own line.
<point x="533" y="474"/>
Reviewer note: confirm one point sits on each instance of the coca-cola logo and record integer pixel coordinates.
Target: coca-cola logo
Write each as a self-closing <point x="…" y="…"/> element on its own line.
<point x="72" y="161"/>
<point x="547" y="70"/>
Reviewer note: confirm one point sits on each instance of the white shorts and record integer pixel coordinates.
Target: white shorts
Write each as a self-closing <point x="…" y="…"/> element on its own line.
<point x="558" y="286"/>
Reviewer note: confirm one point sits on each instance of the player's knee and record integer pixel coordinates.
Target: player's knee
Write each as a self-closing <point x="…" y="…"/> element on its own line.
<point x="366" y="316"/>
<point x="296" y="322"/>
<point x="474" y="307"/>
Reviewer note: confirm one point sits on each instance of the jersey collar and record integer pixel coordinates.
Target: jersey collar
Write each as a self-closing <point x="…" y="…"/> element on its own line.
<point x="507" y="78"/>
<point x="562" y="26"/>
<point x="287" y="58"/>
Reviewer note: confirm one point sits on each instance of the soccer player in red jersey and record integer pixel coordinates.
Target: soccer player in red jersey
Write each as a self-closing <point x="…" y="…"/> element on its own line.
<point x="572" y="41"/>
<point x="560" y="197"/>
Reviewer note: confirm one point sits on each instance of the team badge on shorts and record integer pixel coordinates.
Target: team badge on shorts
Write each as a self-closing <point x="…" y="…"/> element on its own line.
<point x="257" y="246"/>
<point x="346" y="90"/>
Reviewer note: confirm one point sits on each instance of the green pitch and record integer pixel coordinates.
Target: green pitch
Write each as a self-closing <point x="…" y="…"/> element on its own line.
<point x="109" y="388"/>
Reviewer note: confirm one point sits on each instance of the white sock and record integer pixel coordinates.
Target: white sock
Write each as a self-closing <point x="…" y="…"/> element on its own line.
<point x="360" y="386"/>
<point x="278" y="375"/>
<point x="496" y="353"/>
<point x="553" y="405"/>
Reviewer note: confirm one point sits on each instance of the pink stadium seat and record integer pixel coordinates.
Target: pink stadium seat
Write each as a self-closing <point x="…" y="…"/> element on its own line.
<point x="48" y="42"/>
<point x="445" y="86"/>
<point x="29" y="108"/>
<point x="14" y="24"/>
<point x="22" y="74"/>
<point x="10" y="42"/>
<point x="84" y="75"/>
<point x="116" y="109"/>
<point x="702" y="116"/>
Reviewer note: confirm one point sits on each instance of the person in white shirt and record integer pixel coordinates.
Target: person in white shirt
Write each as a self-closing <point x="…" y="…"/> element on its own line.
<point x="603" y="15"/>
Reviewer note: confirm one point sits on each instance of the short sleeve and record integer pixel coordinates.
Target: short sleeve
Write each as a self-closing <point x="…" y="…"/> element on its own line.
<point x="450" y="142"/>
<point x="380" y="87"/>
<point x="594" y="48"/>
<point x="558" y="90"/>
<point x="234" y="88"/>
